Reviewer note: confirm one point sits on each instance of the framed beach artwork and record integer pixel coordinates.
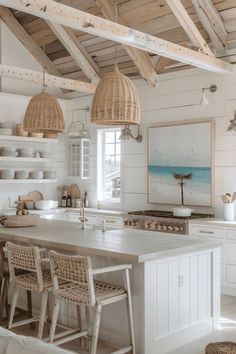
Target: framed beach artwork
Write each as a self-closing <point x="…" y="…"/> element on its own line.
<point x="180" y="163"/>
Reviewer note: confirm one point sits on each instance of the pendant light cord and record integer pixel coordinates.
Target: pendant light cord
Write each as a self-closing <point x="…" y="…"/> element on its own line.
<point x="116" y="20"/>
<point x="43" y="54"/>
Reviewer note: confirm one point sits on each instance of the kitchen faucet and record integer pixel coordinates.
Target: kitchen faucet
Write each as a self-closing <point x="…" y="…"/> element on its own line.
<point x="82" y="218"/>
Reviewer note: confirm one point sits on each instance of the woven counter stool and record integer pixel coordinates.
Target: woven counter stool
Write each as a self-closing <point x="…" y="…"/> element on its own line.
<point x="82" y="290"/>
<point x="34" y="278"/>
<point x="4" y="285"/>
<point x="221" y="348"/>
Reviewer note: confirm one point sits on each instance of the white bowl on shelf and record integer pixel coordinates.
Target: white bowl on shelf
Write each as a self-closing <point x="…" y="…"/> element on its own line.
<point x="182" y="212"/>
<point x="46" y="204"/>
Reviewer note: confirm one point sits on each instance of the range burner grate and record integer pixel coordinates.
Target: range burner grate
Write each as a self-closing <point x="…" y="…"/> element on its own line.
<point x="168" y="214"/>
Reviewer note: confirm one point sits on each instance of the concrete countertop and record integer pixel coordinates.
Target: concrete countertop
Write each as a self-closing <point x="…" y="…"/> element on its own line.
<point x="123" y="244"/>
<point x="214" y="222"/>
<point x="104" y="212"/>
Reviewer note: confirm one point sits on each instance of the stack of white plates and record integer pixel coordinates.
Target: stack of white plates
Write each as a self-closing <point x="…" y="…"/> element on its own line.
<point x="8" y="151"/>
<point x="5" y="131"/>
<point x="26" y="152"/>
<point x="8" y="173"/>
<point x="36" y="175"/>
<point x="49" y="174"/>
<point x="21" y="174"/>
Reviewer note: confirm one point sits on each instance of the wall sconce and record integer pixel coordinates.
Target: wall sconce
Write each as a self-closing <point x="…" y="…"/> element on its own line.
<point x="232" y="125"/>
<point x="126" y="134"/>
<point x="204" y="101"/>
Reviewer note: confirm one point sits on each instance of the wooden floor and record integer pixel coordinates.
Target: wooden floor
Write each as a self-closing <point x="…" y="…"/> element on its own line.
<point x="227" y="331"/>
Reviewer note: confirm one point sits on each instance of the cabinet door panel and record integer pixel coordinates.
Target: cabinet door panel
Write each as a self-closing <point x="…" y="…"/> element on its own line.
<point x="231" y="273"/>
<point x="206" y="231"/>
<point x="230" y="252"/>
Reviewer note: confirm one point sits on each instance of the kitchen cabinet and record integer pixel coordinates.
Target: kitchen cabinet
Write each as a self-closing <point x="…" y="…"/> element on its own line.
<point x="78" y="158"/>
<point x="226" y="233"/>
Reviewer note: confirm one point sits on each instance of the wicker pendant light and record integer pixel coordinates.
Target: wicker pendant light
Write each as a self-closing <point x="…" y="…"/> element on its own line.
<point x="116" y="100"/>
<point x="43" y="113"/>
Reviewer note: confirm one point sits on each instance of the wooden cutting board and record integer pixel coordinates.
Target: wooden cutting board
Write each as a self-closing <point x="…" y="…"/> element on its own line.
<point x="74" y="191"/>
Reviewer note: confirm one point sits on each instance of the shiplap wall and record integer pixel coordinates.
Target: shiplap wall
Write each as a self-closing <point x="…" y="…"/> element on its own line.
<point x="176" y="98"/>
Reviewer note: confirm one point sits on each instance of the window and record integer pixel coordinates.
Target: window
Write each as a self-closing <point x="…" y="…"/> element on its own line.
<point x="109" y="156"/>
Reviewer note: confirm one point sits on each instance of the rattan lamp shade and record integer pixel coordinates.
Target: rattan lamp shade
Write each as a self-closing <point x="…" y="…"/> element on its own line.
<point x="115" y="101"/>
<point x="43" y="115"/>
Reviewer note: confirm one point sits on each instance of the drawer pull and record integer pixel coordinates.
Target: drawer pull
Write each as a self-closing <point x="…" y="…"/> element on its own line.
<point x="206" y="232"/>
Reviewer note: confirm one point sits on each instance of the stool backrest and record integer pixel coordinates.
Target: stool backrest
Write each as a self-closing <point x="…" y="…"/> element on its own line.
<point x="25" y="258"/>
<point x="73" y="269"/>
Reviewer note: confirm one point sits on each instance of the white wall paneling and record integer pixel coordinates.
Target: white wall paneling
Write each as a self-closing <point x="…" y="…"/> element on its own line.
<point x="176" y="98"/>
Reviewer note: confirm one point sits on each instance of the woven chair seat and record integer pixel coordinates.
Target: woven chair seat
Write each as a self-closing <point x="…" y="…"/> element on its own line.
<point x="221" y="348"/>
<point x="78" y="294"/>
<point x="28" y="281"/>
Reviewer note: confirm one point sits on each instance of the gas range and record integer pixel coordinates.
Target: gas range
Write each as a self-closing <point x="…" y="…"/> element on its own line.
<point x="162" y="221"/>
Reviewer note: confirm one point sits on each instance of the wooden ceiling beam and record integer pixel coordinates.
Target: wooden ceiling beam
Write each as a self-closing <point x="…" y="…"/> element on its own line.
<point x="20" y="33"/>
<point x="76" y="50"/>
<point x="213" y="23"/>
<point x="189" y="27"/>
<point x="142" y="59"/>
<point x="77" y="19"/>
<point x="50" y="80"/>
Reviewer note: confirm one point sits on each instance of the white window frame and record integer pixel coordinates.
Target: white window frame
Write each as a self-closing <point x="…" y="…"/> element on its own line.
<point x="100" y="167"/>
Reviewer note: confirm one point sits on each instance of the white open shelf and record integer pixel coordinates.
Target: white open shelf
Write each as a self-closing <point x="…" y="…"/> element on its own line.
<point x="14" y="181"/>
<point x="24" y="139"/>
<point x="24" y="159"/>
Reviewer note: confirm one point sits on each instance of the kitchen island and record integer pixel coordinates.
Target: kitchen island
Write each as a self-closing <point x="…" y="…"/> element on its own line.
<point x="175" y="280"/>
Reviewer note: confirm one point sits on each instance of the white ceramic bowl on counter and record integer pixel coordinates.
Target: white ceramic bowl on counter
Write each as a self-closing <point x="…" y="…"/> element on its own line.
<point x="46" y="204"/>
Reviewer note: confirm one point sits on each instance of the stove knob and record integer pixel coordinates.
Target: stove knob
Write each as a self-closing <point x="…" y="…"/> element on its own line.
<point x="177" y="229"/>
<point x="158" y="227"/>
<point x="134" y="223"/>
<point x="130" y="222"/>
<point x="164" y="227"/>
<point x="148" y="225"/>
<point x="126" y="222"/>
<point x="170" y="228"/>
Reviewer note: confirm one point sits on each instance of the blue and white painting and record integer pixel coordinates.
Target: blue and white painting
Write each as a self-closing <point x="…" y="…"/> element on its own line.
<point x="180" y="150"/>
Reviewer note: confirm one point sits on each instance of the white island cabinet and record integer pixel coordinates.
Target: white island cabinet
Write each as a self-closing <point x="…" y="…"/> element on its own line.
<point x="226" y="232"/>
<point x="175" y="280"/>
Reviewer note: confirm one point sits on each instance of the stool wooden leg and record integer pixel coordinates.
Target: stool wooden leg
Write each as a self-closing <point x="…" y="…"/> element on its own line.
<point x="96" y="329"/>
<point x="4" y="301"/>
<point x="42" y="313"/>
<point x="54" y="319"/>
<point x="13" y="306"/>
<point x="81" y="314"/>
<point x="130" y="311"/>
<point x="29" y="308"/>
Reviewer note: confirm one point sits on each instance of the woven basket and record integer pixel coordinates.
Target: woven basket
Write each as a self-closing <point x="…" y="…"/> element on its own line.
<point x="19" y="220"/>
<point x="43" y="115"/>
<point x="115" y="101"/>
